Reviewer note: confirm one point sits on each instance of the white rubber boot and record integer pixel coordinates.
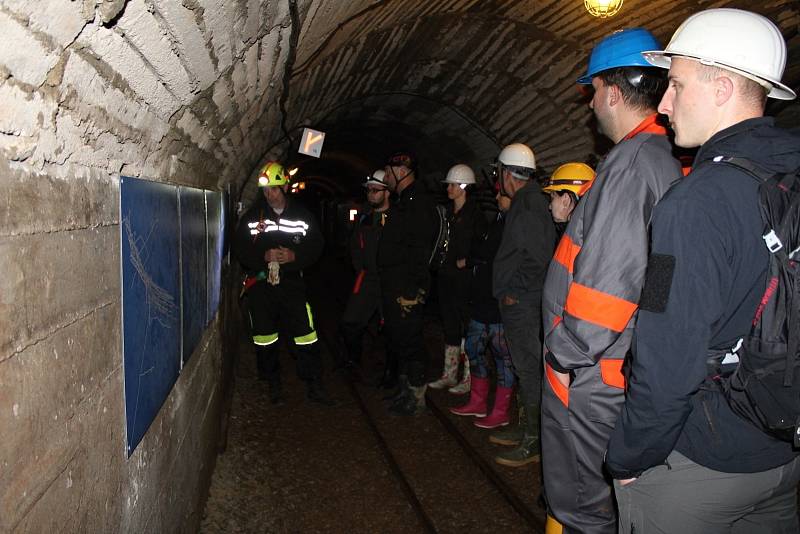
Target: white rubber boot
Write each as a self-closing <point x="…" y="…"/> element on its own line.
<point x="448" y="378"/>
<point x="464" y="385"/>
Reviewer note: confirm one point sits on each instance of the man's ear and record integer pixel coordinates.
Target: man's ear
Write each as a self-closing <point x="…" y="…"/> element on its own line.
<point x="723" y="89"/>
<point x="614" y="95"/>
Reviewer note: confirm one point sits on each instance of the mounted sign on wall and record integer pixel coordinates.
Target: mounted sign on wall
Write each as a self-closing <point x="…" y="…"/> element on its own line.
<point x="311" y="142"/>
<point x="171" y="246"/>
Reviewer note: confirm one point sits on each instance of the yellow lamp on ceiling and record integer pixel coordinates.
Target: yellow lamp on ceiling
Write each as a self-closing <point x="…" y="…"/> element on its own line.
<point x="603" y="8"/>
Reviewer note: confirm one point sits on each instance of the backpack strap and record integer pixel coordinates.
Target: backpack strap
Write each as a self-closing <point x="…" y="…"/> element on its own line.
<point x="761" y="175"/>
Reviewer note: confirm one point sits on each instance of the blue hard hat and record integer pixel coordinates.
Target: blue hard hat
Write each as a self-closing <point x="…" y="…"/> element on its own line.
<point x="623" y="48"/>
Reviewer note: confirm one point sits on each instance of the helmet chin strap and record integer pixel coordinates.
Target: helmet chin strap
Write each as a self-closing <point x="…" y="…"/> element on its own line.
<point x="399" y="179"/>
<point x="502" y="180"/>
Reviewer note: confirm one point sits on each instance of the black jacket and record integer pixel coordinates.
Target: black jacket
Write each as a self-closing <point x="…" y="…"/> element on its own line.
<point x="529" y="239"/>
<point x="364" y="241"/>
<point x="465" y="226"/>
<point x="261" y="229"/>
<point x="483" y="305"/>
<point x="407" y="241"/>
<point x="710" y="224"/>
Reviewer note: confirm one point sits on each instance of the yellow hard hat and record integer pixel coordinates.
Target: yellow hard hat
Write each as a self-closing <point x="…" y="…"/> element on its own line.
<point x="272" y="175"/>
<point x="576" y="178"/>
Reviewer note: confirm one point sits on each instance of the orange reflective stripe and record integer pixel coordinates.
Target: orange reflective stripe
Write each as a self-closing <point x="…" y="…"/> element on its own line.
<point x="599" y="308"/>
<point x="566" y="252"/>
<point x="611" y="372"/>
<point x="561" y="391"/>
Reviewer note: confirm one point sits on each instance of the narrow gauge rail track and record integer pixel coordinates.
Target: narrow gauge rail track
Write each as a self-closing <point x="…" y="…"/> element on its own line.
<point x="503" y="488"/>
<point x="532" y="521"/>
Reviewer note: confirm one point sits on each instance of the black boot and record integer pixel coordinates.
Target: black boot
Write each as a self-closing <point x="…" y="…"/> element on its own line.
<point x="275" y="390"/>
<point x="352" y="339"/>
<point x="316" y="393"/>
<point x="262" y="362"/>
<point x="411" y="404"/>
<point x="400" y="390"/>
<point x="528" y="449"/>
<point x="389" y="379"/>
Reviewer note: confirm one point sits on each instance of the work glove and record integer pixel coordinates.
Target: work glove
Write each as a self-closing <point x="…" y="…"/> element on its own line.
<point x="407" y="304"/>
<point x="274" y="269"/>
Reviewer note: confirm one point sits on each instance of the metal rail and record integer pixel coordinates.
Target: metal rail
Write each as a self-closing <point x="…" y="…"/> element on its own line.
<point x="504" y="488"/>
<point x="508" y="493"/>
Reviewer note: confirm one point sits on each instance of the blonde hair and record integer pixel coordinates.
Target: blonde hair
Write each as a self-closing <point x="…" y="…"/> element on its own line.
<point x="750" y="90"/>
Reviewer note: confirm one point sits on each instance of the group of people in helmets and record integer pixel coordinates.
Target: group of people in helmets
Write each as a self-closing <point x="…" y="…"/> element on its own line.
<point x="600" y="296"/>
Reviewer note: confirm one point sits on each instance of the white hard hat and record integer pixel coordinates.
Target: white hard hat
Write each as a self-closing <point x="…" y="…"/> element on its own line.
<point x="378" y="178"/>
<point x="518" y="155"/>
<point x="459" y="174"/>
<point x="740" y="41"/>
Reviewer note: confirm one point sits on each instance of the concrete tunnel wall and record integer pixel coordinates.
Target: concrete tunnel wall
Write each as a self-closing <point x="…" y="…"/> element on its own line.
<point x="191" y="92"/>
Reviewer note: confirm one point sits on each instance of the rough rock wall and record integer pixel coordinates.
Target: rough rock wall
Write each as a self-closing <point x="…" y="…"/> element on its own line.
<point x="175" y="91"/>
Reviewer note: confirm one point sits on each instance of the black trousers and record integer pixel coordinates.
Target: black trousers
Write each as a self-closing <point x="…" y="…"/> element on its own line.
<point x="404" y="337"/>
<point x="283" y="308"/>
<point x="364" y="302"/>
<point x="454" y="304"/>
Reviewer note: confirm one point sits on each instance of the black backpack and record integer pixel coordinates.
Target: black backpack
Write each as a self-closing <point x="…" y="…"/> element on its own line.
<point x="442" y="241"/>
<point x="764" y="388"/>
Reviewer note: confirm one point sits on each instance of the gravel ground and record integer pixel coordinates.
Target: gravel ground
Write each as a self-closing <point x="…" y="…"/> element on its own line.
<point x="306" y="468"/>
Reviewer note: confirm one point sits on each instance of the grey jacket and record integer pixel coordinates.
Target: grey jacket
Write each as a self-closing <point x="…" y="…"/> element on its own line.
<point x="596" y="276"/>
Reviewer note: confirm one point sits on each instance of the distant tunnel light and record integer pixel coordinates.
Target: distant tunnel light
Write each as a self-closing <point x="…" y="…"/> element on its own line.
<point x="353" y="215"/>
<point x="603" y="8"/>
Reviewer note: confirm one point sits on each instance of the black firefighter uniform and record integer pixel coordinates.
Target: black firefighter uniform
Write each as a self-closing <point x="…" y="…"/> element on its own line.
<point x="276" y="294"/>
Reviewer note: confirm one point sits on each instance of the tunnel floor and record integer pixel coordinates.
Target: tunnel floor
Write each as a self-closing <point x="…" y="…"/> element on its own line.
<point x="303" y="467"/>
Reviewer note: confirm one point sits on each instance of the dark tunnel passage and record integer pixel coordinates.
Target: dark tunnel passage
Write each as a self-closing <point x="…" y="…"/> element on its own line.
<point x="189" y="99"/>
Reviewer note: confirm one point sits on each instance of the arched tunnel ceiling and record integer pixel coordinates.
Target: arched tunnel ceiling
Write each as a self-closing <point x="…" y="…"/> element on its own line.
<point x="199" y="92"/>
<point x="458" y="78"/>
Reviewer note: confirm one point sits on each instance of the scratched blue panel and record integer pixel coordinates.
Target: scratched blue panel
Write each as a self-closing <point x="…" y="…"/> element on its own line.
<point x="151" y="330"/>
<point x="194" y="268"/>
<point x="215" y="203"/>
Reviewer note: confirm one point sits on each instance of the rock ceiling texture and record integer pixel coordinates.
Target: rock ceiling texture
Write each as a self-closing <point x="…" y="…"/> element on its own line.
<point x="455" y="79"/>
<point x="202" y="91"/>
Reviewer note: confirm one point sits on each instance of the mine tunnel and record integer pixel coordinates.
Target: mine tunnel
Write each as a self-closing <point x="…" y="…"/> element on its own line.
<point x="132" y="134"/>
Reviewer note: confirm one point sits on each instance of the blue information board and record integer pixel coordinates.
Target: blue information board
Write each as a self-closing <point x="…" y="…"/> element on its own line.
<point x="194" y="257"/>
<point x="215" y="209"/>
<point x="151" y="329"/>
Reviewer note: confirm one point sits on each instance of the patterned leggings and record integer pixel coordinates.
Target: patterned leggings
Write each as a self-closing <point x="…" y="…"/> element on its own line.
<point x="482" y="336"/>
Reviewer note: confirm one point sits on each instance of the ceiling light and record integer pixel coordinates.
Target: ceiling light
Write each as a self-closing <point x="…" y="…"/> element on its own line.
<point x="603" y="8"/>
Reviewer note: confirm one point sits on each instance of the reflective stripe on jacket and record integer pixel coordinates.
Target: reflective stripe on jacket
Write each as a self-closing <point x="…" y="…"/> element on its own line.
<point x="596" y="275"/>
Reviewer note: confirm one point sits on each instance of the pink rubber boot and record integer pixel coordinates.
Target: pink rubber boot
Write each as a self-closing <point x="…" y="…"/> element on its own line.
<point x="499" y="415"/>
<point x="477" y="399"/>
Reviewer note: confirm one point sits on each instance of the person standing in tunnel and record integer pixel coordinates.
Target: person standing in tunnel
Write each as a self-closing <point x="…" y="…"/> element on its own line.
<point x="466" y="222"/>
<point x="365" y="298"/>
<point x="275" y="240"/>
<point x="568" y="183"/>
<point x="713" y="283"/>
<point x="404" y="253"/>
<point x="485" y="332"/>
<point x="595" y="279"/>
<point x="519" y="270"/>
